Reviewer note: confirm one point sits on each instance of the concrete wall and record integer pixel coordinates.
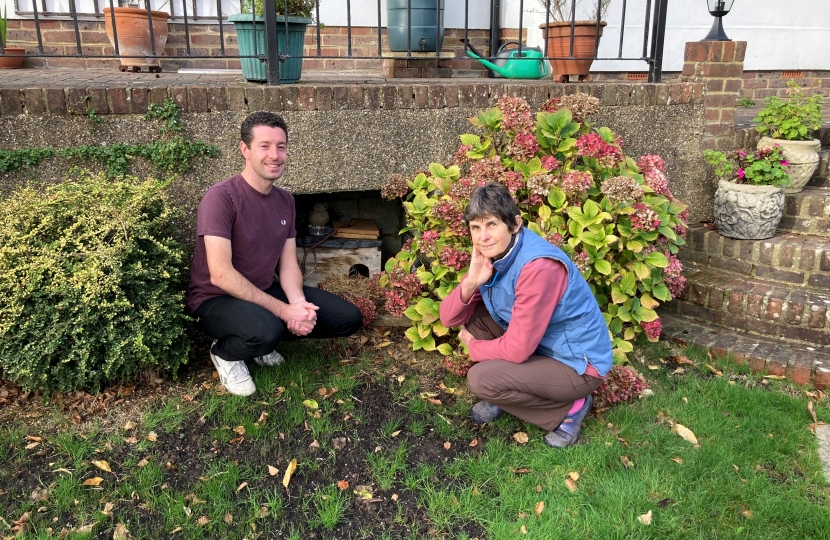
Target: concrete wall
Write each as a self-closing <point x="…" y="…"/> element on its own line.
<point x="348" y="138"/>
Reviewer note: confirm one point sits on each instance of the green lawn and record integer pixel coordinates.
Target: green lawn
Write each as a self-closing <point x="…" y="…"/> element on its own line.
<point x="195" y="463"/>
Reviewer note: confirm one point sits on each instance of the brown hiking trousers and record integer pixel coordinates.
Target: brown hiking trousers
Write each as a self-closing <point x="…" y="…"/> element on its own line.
<point x="540" y="390"/>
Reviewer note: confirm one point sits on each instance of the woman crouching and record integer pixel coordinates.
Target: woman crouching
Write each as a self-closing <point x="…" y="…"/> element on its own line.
<point x="532" y="326"/>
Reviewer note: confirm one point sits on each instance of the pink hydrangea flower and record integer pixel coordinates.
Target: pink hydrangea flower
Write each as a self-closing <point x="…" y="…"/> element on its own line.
<point x="652" y="329"/>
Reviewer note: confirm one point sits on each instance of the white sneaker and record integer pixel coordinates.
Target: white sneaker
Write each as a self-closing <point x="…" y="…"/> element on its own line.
<point x="272" y="359"/>
<point x="234" y="375"/>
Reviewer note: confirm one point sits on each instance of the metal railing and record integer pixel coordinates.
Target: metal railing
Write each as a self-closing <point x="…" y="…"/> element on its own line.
<point x="653" y="33"/>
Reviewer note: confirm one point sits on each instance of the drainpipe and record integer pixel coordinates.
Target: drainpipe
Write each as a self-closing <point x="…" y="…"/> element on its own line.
<point x="495" y="27"/>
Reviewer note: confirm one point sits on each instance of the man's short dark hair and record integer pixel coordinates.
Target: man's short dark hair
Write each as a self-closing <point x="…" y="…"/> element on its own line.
<point x="261" y="118"/>
<point x="492" y="199"/>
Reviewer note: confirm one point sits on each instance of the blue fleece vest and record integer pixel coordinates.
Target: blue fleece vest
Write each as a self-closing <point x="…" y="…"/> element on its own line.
<point x="576" y="333"/>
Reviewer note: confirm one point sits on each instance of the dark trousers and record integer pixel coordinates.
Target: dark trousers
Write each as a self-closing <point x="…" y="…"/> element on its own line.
<point x="539" y="390"/>
<point x="244" y="330"/>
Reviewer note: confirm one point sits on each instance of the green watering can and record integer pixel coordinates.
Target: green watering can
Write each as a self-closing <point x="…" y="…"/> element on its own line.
<point x="529" y="65"/>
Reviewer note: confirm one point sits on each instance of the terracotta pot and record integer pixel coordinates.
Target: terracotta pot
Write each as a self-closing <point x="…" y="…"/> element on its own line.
<point x="12" y="57"/>
<point x="558" y="37"/>
<point x="803" y="158"/>
<point x="134" y="43"/>
<point x="747" y="211"/>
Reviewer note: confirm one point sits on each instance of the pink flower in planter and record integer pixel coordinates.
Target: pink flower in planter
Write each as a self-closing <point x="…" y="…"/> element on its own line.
<point x="740" y="173"/>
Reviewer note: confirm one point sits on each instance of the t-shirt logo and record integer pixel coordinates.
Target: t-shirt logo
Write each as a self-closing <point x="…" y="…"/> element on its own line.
<point x="283" y="222"/>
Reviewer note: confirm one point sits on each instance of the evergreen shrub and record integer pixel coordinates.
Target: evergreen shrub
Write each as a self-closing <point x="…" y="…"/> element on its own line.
<point x="92" y="284"/>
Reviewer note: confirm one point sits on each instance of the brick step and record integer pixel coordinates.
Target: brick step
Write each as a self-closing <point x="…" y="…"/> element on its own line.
<point x="766" y="308"/>
<point x="821" y="178"/>
<point x="801" y="364"/>
<point x="797" y="259"/>
<point x="807" y="212"/>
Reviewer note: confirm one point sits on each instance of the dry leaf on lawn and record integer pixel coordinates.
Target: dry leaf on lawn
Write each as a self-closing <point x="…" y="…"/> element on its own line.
<point x="812" y="411"/>
<point x="131" y="440"/>
<point x="447" y="445"/>
<point x="573" y="475"/>
<point x="627" y="462"/>
<point x="228" y="518"/>
<point x="677" y="460"/>
<point x="93" y="481"/>
<point x="314" y="444"/>
<point x="103" y="465"/>
<point x="203" y="520"/>
<point x="717" y="372"/>
<point x="85" y="529"/>
<point x="289" y="470"/>
<point x="686" y="433"/>
<point x="121" y="532"/>
<point x="311" y="404"/>
<point x="570" y="484"/>
<point x="521" y="437"/>
<point x="681" y="360"/>
<point x="152" y="436"/>
<point x="33" y="438"/>
<point x="748" y="514"/>
<point x="273" y="471"/>
<point x="474" y="442"/>
<point x="338" y="443"/>
<point x="262" y="418"/>
<point x="242" y="486"/>
<point x="523" y="529"/>
<point x="143" y="463"/>
<point x="32" y="445"/>
<point x="434" y="401"/>
<point x="540" y="507"/>
<point x="129" y="425"/>
<point x="645" y="519"/>
<point x="523" y="470"/>
<point x="394" y="497"/>
<point x="240" y="430"/>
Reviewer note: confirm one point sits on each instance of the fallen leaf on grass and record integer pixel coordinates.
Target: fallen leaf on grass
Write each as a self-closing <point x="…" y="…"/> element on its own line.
<point x="289" y="470"/>
<point x="523" y="529"/>
<point x="273" y="471"/>
<point x="187" y="511"/>
<point x="171" y="466"/>
<point x="103" y="465"/>
<point x="242" y="486"/>
<point x="447" y="445"/>
<point x="121" y="533"/>
<point x="343" y="485"/>
<point x="394" y="497"/>
<point x="262" y="418"/>
<point x="653" y="367"/>
<point x="129" y="425"/>
<point x="228" y="518"/>
<point x="174" y="531"/>
<point x="93" y="481"/>
<point x="521" y="437"/>
<point x="32" y="445"/>
<point x="364" y="492"/>
<point x="685" y="433"/>
<point x="33" y="438"/>
<point x="131" y="440"/>
<point x="538" y="488"/>
<point x="775" y="377"/>
<point x="474" y="442"/>
<point x="645" y="519"/>
<point x="665" y="502"/>
<point x="573" y="475"/>
<point x="85" y="529"/>
<point x="681" y="360"/>
<point x="152" y="436"/>
<point x="748" y="514"/>
<point x="679" y="371"/>
<point x="401" y="379"/>
<point x="38" y="495"/>
<point x="627" y="462"/>
<point x="239" y="429"/>
<point x="716" y="371"/>
<point x="396" y="433"/>
<point x="571" y="485"/>
<point x="539" y="508"/>
<point x="143" y="463"/>
<point x="338" y="443"/>
<point x="434" y="401"/>
<point x="311" y="404"/>
<point x="523" y="470"/>
<point x="203" y="520"/>
<point x="812" y="411"/>
<point x="314" y="444"/>
<point x="263" y="512"/>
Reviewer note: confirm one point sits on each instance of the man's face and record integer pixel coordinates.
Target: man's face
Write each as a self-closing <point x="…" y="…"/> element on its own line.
<point x="490" y="235"/>
<point x="268" y="153"/>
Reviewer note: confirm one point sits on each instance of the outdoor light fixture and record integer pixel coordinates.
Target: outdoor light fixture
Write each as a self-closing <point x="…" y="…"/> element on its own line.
<point x="718" y="8"/>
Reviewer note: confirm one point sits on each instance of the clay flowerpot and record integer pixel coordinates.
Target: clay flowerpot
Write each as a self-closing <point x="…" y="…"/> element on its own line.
<point x="12" y="57"/>
<point x="586" y="41"/>
<point x="133" y="32"/>
<point x="747" y="211"/>
<point x="803" y="158"/>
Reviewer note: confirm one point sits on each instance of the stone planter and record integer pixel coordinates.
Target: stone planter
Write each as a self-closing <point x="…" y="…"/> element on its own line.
<point x="747" y="211"/>
<point x="803" y="158"/>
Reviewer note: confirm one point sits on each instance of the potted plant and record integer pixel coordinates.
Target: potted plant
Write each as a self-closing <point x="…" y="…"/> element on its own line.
<point x="12" y="57"/>
<point x="133" y="30"/>
<point x="749" y="201"/>
<point x="586" y="32"/>
<point x="250" y="26"/>
<point x="791" y="122"/>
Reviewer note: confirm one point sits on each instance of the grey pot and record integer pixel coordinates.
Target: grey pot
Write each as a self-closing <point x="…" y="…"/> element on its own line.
<point x="747" y="211"/>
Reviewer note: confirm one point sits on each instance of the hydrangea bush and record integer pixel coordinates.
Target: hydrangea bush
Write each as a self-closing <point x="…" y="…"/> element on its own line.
<point x="614" y="216"/>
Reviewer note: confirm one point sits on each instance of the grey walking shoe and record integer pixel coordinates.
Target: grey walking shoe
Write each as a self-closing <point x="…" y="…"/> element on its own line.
<point x="568" y="431"/>
<point x="234" y="375"/>
<point x="484" y="412"/>
<point x="271" y="359"/>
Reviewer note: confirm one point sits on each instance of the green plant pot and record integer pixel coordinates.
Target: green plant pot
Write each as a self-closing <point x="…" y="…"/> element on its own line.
<point x="246" y="31"/>
<point x="424" y="25"/>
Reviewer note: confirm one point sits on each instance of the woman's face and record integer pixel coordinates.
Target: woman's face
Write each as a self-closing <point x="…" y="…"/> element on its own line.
<point x="491" y="236"/>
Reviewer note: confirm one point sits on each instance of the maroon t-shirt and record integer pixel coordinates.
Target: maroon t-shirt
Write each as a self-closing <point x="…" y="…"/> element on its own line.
<point x="257" y="226"/>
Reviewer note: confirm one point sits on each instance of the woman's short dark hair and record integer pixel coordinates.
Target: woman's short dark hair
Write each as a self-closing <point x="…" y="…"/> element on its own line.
<point x="492" y="199"/>
<point x="261" y="118"/>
